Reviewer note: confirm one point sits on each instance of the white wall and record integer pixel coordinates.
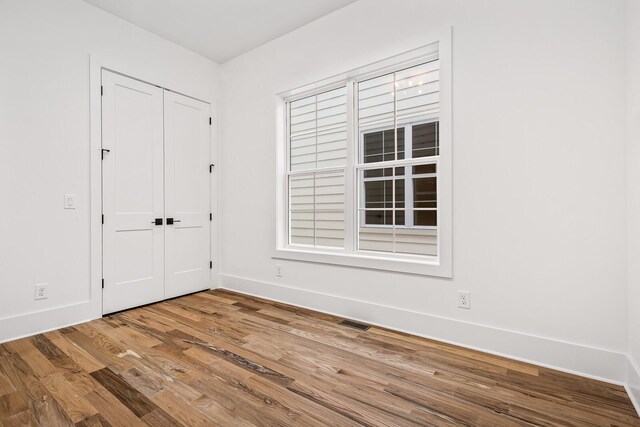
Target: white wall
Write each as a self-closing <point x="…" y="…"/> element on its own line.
<point x="539" y="187"/>
<point x="539" y="182"/>
<point x="44" y="146"/>
<point x="633" y="188"/>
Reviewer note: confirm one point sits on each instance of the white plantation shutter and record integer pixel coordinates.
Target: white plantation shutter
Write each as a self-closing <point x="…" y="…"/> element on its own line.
<point x="316" y="172"/>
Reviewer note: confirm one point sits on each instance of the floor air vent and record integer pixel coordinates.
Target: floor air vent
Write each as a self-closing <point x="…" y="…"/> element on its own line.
<point x="355" y="325"/>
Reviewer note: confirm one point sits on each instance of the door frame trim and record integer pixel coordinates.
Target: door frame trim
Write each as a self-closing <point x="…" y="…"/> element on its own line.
<point x="96" y="64"/>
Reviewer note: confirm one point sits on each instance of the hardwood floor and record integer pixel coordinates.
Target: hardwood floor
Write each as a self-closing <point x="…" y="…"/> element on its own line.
<point x="220" y="358"/>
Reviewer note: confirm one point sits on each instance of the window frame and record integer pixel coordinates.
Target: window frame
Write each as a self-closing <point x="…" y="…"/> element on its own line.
<point x="439" y="265"/>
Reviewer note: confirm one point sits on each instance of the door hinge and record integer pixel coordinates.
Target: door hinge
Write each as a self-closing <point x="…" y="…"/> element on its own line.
<point x="103" y="218"/>
<point x="102" y="283"/>
<point x="210" y="216"/>
<point x="211" y="166"/>
<point x="211" y="264"/>
<point x="101" y="90"/>
<point x="210" y="121"/>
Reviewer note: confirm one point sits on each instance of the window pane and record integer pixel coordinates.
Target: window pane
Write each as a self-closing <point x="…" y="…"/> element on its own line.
<point x="301" y="192"/>
<point x="417" y="90"/>
<point x="377" y="173"/>
<point x="332" y="149"/>
<point x="383" y="217"/>
<point x="380" y="146"/>
<point x="373" y="147"/>
<point x="376" y="121"/>
<point x="316" y="215"/>
<point x="378" y="193"/>
<point x="425" y="192"/>
<point x="399" y="195"/>
<point x="301" y="227"/>
<point x="425" y="140"/>
<point x="416" y="241"/>
<point x="424" y="169"/>
<point x="376" y="103"/>
<point x="329" y="190"/>
<point x="425" y="218"/>
<point x="375" y="195"/>
<point x="318" y="131"/>
<point x="330" y="228"/>
<point x="375" y="218"/>
<point x="377" y="199"/>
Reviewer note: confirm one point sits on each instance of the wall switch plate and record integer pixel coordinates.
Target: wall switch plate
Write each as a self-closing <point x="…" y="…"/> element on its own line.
<point x="42" y="291"/>
<point x="69" y="201"/>
<point x="464" y="299"/>
<point x="278" y="270"/>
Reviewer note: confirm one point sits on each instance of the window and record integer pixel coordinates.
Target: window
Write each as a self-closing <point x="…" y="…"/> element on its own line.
<point x="366" y="173"/>
<point x="317" y="161"/>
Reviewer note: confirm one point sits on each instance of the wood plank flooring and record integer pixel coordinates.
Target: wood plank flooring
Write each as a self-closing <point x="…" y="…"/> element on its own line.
<point x="221" y="358"/>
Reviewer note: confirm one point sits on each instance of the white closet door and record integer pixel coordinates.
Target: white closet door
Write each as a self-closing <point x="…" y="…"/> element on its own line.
<point x="187" y="255"/>
<point x="133" y="251"/>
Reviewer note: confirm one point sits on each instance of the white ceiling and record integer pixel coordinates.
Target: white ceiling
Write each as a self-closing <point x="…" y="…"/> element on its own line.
<point x="220" y="29"/>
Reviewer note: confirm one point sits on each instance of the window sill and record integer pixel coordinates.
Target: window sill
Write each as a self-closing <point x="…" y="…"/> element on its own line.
<point x="422" y="266"/>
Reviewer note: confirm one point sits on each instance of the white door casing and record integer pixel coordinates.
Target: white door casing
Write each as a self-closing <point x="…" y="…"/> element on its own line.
<point x="133" y="193"/>
<point x="186" y="147"/>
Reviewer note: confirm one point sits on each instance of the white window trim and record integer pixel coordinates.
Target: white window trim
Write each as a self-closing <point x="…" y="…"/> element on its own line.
<point x="440" y="265"/>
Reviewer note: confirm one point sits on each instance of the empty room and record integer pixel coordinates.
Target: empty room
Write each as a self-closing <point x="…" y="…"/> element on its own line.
<point x="320" y="213"/>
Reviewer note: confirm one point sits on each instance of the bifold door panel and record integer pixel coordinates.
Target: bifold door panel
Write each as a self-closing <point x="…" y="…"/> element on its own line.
<point x="132" y="191"/>
<point x="155" y="158"/>
<point x="186" y="147"/>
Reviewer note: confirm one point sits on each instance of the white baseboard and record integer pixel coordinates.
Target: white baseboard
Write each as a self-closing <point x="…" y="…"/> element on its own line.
<point x="24" y="325"/>
<point x="633" y="382"/>
<point x="600" y="364"/>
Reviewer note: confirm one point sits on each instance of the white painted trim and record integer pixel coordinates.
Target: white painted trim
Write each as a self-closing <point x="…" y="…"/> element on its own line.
<point x="596" y="363"/>
<point x="420" y="265"/>
<point x="633" y="382"/>
<point x="24" y="325"/>
<point x="95" y="185"/>
<point x="591" y="362"/>
<point x="427" y="52"/>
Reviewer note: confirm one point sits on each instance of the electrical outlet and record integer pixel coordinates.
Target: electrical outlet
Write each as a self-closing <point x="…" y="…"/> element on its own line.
<point x="464" y="299"/>
<point x="42" y="291"/>
<point x="278" y="270"/>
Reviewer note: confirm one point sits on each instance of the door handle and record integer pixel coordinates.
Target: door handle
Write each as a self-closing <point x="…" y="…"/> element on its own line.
<point x="157" y="221"/>
<point x="170" y="221"/>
